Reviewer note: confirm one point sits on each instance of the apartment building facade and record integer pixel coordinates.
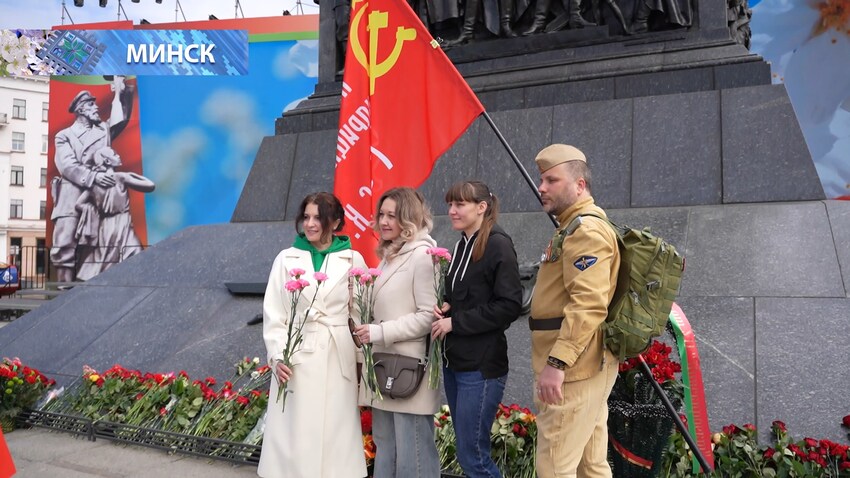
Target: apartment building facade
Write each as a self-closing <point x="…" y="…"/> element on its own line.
<point x="23" y="173"/>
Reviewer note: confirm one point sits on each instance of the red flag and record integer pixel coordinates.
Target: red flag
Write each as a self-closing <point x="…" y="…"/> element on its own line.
<point x="7" y="466"/>
<point x="403" y="105"/>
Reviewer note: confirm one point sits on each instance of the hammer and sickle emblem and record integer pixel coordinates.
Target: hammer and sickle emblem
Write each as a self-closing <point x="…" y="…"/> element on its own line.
<point x="377" y="21"/>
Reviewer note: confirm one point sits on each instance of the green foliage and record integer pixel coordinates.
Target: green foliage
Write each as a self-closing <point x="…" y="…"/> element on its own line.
<point x="20" y="387"/>
<point x="737" y="454"/>
<point x="513" y="437"/>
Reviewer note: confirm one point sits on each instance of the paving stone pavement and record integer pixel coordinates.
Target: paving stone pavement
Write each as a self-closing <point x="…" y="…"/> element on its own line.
<point x="41" y="453"/>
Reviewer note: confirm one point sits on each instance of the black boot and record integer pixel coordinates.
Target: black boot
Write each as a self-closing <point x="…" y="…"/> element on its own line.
<point x="541" y="11"/>
<point x="639" y="25"/>
<point x="506" y="14"/>
<point x="576" y="20"/>
<point x="468" y="29"/>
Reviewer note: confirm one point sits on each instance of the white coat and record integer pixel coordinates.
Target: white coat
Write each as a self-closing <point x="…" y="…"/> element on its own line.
<point x="318" y="435"/>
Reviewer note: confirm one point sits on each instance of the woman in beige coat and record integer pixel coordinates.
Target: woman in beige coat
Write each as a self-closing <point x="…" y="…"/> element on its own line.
<point x="318" y="435"/>
<point x="403" y="429"/>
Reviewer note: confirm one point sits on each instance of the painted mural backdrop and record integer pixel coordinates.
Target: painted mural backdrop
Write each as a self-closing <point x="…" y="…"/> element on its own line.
<point x="186" y="148"/>
<point x="93" y="130"/>
<point x="807" y="43"/>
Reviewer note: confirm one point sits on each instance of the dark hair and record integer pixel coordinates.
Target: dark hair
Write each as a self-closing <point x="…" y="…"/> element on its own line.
<point x="330" y="210"/>
<point x="476" y="192"/>
<point x="412" y="213"/>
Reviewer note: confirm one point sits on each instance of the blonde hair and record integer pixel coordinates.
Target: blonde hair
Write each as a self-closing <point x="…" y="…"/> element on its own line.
<point x="413" y="215"/>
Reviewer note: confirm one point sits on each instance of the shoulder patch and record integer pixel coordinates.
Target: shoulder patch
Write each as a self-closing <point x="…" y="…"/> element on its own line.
<point x="584" y="262"/>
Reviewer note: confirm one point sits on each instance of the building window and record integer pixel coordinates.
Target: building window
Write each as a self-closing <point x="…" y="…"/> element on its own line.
<point x="17" y="176"/>
<point x="44" y="144"/>
<point x="16" y="209"/>
<point x="15" y="250"/>
<point x="43" y="181"/>
<point x="42" y="211"/>
<point x="44" y="112"/>
<point x="19" y="109"/>
<point x="18" y="140"/>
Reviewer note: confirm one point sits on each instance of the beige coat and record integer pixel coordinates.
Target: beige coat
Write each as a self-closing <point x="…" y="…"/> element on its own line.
<point x="404" y="309"/>
<point x="319" y="433"/>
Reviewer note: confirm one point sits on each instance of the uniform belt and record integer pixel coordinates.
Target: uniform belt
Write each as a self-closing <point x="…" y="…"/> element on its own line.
<point x="545" y="324"/>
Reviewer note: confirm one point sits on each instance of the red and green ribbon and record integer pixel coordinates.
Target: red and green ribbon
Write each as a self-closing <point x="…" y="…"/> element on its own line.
<point x="695" y="408"/>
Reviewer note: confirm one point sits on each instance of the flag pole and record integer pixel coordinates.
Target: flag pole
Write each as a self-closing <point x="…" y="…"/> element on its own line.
<point x="519" y="165"/>
<point x="645" y="368"/>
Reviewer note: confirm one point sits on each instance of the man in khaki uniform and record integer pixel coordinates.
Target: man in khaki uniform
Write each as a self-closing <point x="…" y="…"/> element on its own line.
<point x="574" y="371"/>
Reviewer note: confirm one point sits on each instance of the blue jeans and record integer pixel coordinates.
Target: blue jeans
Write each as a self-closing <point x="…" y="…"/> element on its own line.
<point x="405" y="445"/>
<point x="473" y="401"/>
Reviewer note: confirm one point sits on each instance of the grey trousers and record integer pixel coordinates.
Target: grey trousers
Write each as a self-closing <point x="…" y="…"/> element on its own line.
<point x="405" y="445"/>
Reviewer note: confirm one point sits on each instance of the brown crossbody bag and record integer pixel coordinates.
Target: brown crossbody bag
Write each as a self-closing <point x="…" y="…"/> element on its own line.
<point x="398" y="375"/>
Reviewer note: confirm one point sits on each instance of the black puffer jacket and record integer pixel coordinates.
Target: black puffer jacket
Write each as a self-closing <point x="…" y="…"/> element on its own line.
<point x="485" y="297"/>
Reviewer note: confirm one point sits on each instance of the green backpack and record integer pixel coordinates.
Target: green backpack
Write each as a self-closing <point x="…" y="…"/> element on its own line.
<point x="647" y="284"/>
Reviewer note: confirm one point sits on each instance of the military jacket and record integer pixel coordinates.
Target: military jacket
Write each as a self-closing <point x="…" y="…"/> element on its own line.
<point x="576" y="281"/>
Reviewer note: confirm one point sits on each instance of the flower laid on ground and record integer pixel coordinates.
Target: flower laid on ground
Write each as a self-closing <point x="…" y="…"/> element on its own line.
<point x="171" y="402"/>
<point x="513" y="437"/>
<point x="295" y="327"/>
<point x="445" y="438"/>
<point x="364" y="282"/>
<point x="738" y="453"/>
<point x="441" y="259"/>
<point x="369" y="448"/>
<point x="20" y="387"/>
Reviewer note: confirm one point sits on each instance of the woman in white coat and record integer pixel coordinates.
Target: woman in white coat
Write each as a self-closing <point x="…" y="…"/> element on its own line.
<point x="318" y="435"/>
<point x="404" y="300"/>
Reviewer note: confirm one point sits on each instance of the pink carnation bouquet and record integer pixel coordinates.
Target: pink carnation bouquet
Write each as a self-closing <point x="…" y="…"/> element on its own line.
<point x="441" y="259"/>
<point x="294" y="333"/>
<point x="364" y="283"/>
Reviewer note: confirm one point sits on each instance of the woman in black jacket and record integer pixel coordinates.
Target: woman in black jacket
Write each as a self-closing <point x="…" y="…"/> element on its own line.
<point x="483" y="297"/>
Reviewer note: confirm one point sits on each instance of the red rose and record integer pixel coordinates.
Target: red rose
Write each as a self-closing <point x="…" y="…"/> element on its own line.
<point x="366" y="421"/>
<point x="162" y="411"/>
<point x="777" y="425"/>
<point x="731" y="429"/>
<point x="523" y="432"/>
<point x="844" y="466"/>
<point x="242" y="400"/>
<point x="846" y="421"/>
<point x="811" y="442"/>
<point x="768" y="454"/>
<point x="516" y="428"/>
<point x="749" y="427"/>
